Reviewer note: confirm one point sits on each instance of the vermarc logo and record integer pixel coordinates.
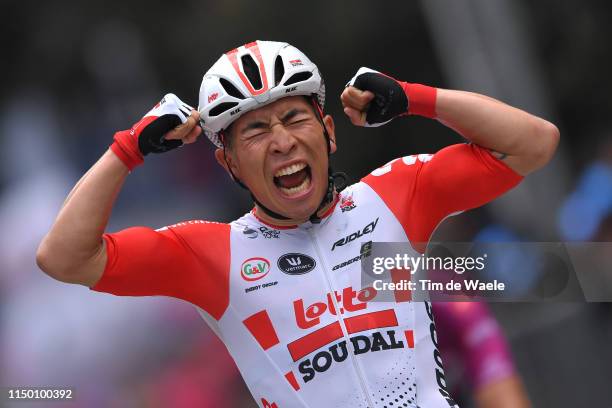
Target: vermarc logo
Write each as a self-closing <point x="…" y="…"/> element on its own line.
<point x="296" y="264"/>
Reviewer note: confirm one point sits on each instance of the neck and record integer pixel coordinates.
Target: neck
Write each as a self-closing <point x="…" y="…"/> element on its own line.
<point x="262" y="215"/>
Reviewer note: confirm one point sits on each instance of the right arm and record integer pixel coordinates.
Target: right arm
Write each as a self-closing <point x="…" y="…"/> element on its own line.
<point x="73" y="250"/>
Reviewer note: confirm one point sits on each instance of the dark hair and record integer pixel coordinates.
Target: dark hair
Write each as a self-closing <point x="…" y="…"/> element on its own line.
<point x="226" y="137"/>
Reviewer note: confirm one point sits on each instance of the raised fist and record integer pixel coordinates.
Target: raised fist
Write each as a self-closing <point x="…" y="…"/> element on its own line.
<point x="170" y="124"/>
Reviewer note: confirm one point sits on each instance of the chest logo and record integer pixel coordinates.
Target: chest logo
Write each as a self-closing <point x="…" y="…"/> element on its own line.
<point x="347" y="203"/>
<point x="296" y="264"/>
<point x="357" y="234"/>
<point x="250" y="232"/>
<point x="269" y="233"/>
<point x="254" y="268"/>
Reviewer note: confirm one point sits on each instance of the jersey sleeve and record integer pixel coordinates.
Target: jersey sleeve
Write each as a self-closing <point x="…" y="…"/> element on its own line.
<point x="421" y="190"/>
<point x="188" y="261"/>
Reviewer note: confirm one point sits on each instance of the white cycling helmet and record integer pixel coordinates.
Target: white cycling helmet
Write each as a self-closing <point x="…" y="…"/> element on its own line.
<point x="252" y="76"/>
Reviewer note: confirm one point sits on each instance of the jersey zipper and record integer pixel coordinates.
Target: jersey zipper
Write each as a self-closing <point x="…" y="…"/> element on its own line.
<point x="362" y="382"/>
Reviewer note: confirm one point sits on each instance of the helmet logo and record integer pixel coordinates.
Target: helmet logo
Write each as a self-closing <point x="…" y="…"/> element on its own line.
<point x="296" y="62"/>
<point x="213" y="96"/>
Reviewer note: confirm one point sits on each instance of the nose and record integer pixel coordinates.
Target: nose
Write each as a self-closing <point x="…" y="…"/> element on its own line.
<point x="283" y="141"/>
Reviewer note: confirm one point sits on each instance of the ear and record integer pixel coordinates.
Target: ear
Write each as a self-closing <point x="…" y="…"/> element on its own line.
<point x="331" y="131"/>
<point x="225" y="160"/>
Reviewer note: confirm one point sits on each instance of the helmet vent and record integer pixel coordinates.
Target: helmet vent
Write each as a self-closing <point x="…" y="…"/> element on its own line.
<point x="230" y="88"/>
<point x="299" y="77"/>
<point x="222" y="107"/>
<point x="279" y="70"/>
<point x="251" y="70"/>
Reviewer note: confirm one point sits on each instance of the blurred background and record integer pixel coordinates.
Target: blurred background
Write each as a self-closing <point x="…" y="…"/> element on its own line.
<point x="75" y="72"/>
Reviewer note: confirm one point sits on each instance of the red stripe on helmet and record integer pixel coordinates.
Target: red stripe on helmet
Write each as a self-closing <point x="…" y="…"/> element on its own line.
<point x="233" y="57"/>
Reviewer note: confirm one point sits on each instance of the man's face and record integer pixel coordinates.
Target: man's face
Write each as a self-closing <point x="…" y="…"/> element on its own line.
<point x="279" y="152"/>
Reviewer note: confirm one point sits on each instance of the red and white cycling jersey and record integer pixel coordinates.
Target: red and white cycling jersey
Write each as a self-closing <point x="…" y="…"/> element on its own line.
<point x="287" y="302"/>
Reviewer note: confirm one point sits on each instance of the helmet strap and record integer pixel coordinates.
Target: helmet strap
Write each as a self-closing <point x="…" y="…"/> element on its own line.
<point x="332" y="176"/>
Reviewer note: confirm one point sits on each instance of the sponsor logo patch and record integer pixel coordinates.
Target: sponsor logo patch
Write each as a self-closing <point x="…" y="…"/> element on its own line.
<point x="365" y="251"/>
<point x="347" y="203"/>
<point x="357" y="234"/>
<point x="260" y="286"/>
<point x="213" y="96"/>
<point x="254" y="268"/>
<point x="296" y="264"/>
<point x="269" y="233"/>
<point x="250" y="232"/>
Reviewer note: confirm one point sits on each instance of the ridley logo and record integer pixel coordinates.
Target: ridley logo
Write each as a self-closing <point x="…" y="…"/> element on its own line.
<point x="213" y="96"/>
<point x="310" y="316"/>
<point x="296" y="264"/>
<point x="254" y="268"/>
<point x="358" y="234"/>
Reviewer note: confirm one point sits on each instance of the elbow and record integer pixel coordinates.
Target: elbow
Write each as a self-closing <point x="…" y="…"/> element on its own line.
<point x="45" y="261"/>
<point x="67" y="266"/>
<point x="548" y="140"/>
<point x="50" y="262"/>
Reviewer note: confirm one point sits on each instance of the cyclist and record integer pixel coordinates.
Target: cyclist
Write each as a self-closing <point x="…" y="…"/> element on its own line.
<point x="480" y="361"/>
<point x="281" y="285"/>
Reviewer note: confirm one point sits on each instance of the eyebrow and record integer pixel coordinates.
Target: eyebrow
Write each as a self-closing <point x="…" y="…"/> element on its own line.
<point x="259" y="124"/>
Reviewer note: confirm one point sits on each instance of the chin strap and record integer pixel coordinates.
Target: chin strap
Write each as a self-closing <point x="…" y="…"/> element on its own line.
<point x="329" y="195"/>
<point x="337" y="181"/>
<point x="332" y="177"/>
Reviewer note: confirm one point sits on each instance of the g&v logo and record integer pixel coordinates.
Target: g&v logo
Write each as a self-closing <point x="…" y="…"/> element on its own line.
<point x="254" y="268"/>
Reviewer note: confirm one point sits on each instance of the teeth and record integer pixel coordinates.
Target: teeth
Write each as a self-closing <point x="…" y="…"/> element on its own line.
<point x="294" y="168"/>
<point x="297" y="189"/>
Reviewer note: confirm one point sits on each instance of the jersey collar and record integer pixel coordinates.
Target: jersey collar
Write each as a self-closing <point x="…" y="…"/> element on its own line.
<point x="326" y="214"/>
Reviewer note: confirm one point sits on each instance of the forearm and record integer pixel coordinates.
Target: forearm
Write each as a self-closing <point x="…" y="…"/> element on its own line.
<point x="74" y="242"/>
<point x="506" y="393"/>
<point x="526" y="141"/>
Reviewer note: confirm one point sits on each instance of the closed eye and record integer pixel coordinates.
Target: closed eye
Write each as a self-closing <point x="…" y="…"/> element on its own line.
<point x="298" y="121"/>
<point x="256" y="134"/>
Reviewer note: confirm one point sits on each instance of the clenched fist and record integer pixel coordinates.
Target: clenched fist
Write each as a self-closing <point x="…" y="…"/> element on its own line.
<point x="373" y="99"/>
<point x="170" y="124"/>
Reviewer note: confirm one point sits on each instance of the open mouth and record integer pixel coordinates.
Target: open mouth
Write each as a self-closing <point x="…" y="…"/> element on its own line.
<point x="293" y="179"/>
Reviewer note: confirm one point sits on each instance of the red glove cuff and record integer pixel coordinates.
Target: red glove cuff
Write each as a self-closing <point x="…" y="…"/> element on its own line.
<point x="421" y="99"/>
<point x="126" y="149"/>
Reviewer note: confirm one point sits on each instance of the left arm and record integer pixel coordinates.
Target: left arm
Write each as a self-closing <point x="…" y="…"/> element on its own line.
<point x="523" y="141"/>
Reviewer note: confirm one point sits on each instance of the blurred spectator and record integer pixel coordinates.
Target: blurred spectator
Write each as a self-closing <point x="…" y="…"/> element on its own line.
<point x="476" y="356"/>
<point x="585" y="214"/>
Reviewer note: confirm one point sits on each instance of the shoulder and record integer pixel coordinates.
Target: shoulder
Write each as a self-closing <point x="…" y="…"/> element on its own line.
<point x="196" y="229"/>
<point x="401" y="168"/>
